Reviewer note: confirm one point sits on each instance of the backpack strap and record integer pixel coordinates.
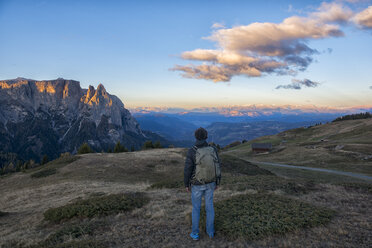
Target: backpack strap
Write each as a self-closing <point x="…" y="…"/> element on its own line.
<point x="195" y="148"/>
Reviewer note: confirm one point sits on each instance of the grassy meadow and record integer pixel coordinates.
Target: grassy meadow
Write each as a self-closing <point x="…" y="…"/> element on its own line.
<point x="137" y="199"/>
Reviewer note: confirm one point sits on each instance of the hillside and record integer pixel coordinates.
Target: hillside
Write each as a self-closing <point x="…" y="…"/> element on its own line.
<point x="343" y="145"/>
<point x="37" y="207"/>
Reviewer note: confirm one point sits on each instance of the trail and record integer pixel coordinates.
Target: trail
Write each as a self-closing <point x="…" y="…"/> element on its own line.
<point x="343" y="173"/>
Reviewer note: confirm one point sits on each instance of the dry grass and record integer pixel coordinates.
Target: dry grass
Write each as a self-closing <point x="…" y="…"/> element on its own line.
<point x="342" y="146"/>
<point x="162" y="222"/>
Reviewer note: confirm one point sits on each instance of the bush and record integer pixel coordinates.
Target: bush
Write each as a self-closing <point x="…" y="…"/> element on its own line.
<point x="157" y="145"/>
<point x="97" y="206"/>
<point x="119" y="148"/>
<point x="148" y="145"/>
<point x="45" y="160"/>
<point x="44" y="173"/>
<point x="256" y="216"/>
<point x="84" y="148"/>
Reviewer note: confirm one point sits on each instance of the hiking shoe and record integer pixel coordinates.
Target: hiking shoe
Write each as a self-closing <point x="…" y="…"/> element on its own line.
<point x="194" y="236"/>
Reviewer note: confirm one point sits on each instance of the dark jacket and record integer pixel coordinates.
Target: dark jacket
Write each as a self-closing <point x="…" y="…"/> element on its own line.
<point x="189" y="170"/>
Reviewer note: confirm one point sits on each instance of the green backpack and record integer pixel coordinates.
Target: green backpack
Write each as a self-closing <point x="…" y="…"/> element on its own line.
<point x="207" y="167"/>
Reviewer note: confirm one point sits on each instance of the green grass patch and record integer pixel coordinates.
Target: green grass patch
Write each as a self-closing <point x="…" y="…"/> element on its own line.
<point x="233" y="164"/>
<point x="97" y="206"/>
<point x="256" y="216"/>
<point x="44" y="173"/>
<point x="266" y="183"/>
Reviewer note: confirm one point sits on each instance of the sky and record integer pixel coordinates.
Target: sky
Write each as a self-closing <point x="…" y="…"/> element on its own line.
<point x="196" y="53"/>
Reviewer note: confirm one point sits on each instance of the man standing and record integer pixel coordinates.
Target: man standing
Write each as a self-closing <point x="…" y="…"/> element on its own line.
<point x="202" y="175"/>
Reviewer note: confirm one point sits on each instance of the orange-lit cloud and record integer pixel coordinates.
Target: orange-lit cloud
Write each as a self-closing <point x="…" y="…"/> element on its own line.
<point x="266" y="48"/>
<point x="364" y="18"/>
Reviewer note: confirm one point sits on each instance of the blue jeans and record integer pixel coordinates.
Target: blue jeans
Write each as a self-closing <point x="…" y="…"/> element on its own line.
<point x="197" y="192"/>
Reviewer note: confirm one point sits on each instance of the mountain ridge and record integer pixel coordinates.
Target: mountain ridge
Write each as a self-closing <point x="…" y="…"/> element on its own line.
<point x="54" y="116"/>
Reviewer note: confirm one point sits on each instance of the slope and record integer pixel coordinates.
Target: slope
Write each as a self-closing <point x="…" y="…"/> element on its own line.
<point x="343" y="145"/>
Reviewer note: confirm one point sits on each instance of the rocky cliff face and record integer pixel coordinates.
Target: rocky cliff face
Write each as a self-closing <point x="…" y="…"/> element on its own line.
<point x="50" y="117"/>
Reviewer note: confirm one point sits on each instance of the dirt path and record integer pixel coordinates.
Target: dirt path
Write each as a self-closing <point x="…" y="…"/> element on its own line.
<point x="344" y="173"/>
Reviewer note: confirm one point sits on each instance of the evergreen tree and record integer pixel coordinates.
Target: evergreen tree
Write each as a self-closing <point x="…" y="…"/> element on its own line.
<point x="119" y="148"/>
<point x="45" y="160"/>
<point x="148" y="145"/>
<point x="157" y="145"/>
<point x="85" y="148"/>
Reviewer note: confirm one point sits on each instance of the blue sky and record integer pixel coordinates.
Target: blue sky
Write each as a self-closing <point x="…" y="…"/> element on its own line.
<point x="129" y="46"/>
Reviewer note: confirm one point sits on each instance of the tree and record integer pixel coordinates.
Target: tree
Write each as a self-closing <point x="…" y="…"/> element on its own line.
<point x="119" y="148"/>
<point x="109" y="150"/>
<point x="148" y="145"/>
<point x="45" y="160"/>
<point x="157" y="145"/>
<point x="132" y="149"/>
<point x="85" y="148"/>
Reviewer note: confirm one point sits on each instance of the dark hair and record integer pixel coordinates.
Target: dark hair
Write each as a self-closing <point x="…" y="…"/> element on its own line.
<point x="201" y="134"/>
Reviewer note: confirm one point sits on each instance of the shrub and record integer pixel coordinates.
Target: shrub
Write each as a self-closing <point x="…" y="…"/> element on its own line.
<point x="44" y="173"/>
<point x="84" y="148"/>
<point x="256" y="216"/>
<point x="148" y="145"/>
<point x="119" y="148"/>
<point x="45" y="160"/>
<point x="97" y="206"/>
<point x="157" y="145"/>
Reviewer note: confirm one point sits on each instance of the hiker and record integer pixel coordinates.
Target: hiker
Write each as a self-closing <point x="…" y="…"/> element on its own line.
<point x="202" y="176"/>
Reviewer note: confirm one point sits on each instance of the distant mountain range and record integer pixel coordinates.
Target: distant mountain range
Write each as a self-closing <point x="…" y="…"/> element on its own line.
<point x="50" y="117"/>
<point x="229" y="124"/>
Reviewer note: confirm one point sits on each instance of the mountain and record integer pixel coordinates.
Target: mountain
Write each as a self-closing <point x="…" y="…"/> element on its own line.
<point x="224" y="133"/>
<point x="170" y="127"/>
<point x="50" y="117"/>
<point x="256" y="111"/>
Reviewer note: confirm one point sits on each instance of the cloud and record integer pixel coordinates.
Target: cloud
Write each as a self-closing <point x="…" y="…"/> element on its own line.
<point x="218" y="25"/>
<point x="332" y="12"/>
<point x="364" y="18"/>
<point x="370" y="87"/>
<point x="264" y="48"/>
<point x="298" y="84"/>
